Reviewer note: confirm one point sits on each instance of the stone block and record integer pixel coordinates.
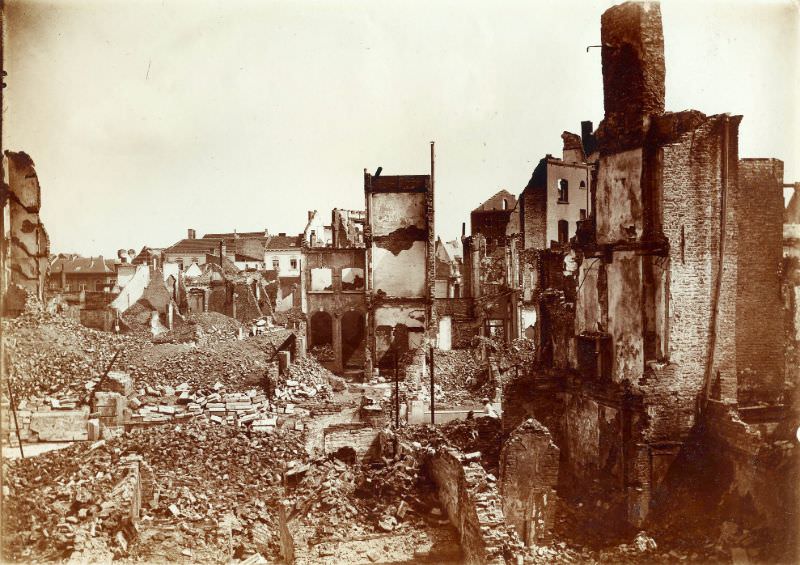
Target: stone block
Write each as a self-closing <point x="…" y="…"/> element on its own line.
<point x="60" y="426"/>
<point x="119" y="382"/>
<point x="93" y="429"/>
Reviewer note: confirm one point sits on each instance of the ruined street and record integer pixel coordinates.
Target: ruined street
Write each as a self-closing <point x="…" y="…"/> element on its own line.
<point x="602" y="368"/>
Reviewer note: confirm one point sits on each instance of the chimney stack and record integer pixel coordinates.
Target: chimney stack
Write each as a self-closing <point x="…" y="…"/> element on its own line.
<point x="192" y="234"/>
<point x="633" y="70"/>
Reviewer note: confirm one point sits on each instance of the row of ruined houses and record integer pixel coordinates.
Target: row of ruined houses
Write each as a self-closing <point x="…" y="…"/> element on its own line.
<point x="652" y="266"/>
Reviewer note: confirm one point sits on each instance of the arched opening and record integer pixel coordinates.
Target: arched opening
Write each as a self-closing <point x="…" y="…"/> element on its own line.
<point x="563" y="231"/>
<point x="353" y="338"/>
<point x="505" y="204"/>
<point x="321" y="330"/>
<point x="346" y="455"/>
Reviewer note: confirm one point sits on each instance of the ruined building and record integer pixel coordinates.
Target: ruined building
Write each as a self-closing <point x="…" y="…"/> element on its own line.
<point x="333" y="289"/>
<point x="25" y="243"/>
<point x="668" y="315"/>
<point x="400" y="266"/>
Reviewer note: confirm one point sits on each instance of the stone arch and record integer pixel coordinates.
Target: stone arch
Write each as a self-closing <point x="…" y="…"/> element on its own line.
<point x="321" y="329"/>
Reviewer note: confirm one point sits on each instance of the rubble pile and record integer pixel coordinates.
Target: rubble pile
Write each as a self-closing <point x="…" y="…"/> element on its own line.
<point x="217" y="485"/>
<point x="460" y="379"/>
<point x="337" y="501"/>
<point x="240" y="364"/>
<point x="482" y="436"/>
<point x="323" y="352"/>
<point x="54" y="356"/>
<point x="305" y="380"/>
<point x="54" y="502"/>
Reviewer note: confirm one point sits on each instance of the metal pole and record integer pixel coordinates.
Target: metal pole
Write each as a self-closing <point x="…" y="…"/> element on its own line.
<point x="14" y="412"/>
<point x="396" y="392"/>
<point x="433" y="417"/>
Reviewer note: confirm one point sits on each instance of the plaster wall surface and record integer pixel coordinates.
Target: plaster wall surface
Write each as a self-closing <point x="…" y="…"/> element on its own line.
<point x="402" y="274"/>
<point x="625" y="315"/>
<point x="578" y="198"/>
<point x="394" y="211"/>
<point x="619" y="196"/>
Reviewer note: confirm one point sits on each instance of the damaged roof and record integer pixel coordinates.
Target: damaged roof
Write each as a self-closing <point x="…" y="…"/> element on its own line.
<point x="77" y="265"/>
<point x="189" y="246"/>
<point x="495" y="202"/>
<point x="285" y="242"/>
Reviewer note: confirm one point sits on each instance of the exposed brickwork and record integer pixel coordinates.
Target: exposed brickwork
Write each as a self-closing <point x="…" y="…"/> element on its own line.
<point x="693" y="188"/>
<point x="361" y="438"/>
<point x="533" y="217"/>
<point x="473" y="505"/>
<point x="759" y="323"/>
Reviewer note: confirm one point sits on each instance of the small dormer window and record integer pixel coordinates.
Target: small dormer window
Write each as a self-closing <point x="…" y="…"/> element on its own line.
<point x="563" y="190"/>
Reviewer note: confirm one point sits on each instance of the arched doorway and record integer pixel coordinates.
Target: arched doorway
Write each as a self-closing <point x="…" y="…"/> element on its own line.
<point x="353" y="339"/>
<point x="321" y="330"/>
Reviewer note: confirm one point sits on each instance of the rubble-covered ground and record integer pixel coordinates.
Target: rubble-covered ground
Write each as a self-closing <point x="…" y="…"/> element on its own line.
<point x="207" y="488"/>
<point x="212" y="491"/>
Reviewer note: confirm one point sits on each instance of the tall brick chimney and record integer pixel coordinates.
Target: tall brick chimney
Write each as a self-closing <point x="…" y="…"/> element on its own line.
<point x="633" y="66"/>
<point x="192" y="234"/>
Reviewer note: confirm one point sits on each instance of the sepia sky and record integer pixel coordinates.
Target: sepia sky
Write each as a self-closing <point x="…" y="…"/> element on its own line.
<point x="147" y="118"/>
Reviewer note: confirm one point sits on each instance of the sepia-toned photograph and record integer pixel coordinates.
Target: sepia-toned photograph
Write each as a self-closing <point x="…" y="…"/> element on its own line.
<point x="322" y="282"/>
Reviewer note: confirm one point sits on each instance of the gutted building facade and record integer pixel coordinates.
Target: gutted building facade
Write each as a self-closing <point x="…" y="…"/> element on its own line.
<point x="400" y="262"/>
<point x="650" y="324"/>
<point x="334" y="290"/>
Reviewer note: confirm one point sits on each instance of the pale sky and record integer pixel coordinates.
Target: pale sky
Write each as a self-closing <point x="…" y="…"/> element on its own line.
<point x="148" y="118"/>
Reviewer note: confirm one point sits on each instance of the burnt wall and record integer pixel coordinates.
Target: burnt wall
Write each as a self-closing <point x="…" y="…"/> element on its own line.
<point x="759" y="323"/>
<point x="400" y="262"/>
<point x="29" y="242"/>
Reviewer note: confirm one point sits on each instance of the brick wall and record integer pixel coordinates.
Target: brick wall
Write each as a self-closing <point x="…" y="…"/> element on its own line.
<point x="534" y="217"/>
<point x="359" y="437"/>
<point x="759" y="324"/>
<point x="473" y="505"/>
<point x="633" y="70"/>
<point x="702" y="322"/>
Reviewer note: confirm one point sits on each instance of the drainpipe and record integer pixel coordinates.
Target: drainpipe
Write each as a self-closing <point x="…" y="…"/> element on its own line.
<point x="712" y="338"/>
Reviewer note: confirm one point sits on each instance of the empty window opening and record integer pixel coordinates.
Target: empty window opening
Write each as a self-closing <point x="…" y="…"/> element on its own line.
<point x="582" y="185"/>
<point x="505" y="204"/>
<point x="563" y="190"/>
<point x="352" y="278"/>
<point x="495" y="328"/>
<point x="321" y="279"/>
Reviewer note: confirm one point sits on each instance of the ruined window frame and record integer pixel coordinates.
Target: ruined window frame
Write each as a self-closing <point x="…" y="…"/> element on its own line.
<point x="563" y="191"/>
